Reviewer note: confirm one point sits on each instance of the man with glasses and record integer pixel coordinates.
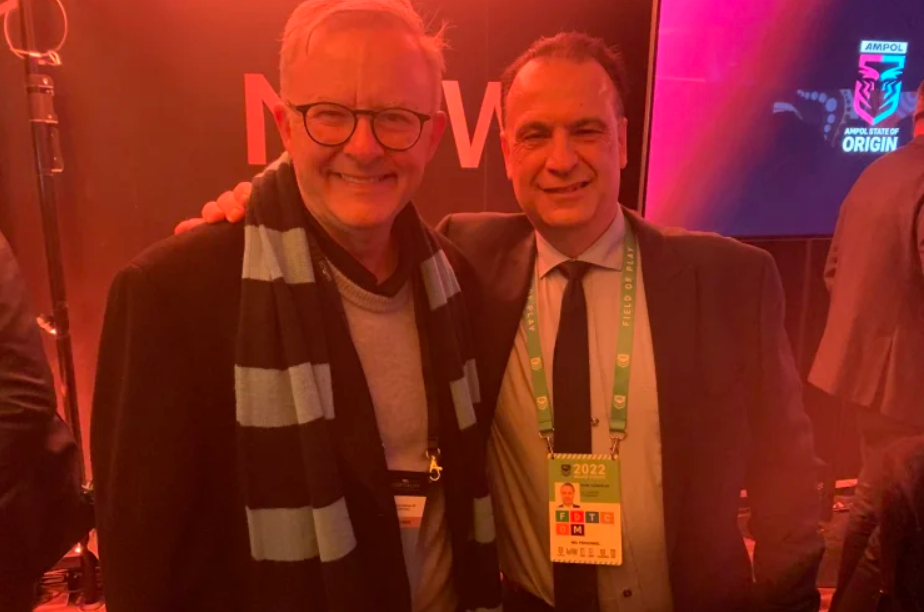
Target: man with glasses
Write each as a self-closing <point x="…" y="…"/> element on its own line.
<point x="319" y="445"/>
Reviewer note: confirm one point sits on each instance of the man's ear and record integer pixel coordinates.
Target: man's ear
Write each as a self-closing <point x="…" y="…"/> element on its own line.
<point x="281" y="115"/>
<point x="437" y="129"/>
<point x="505" y="149"/>
<point x="623" y="145"/>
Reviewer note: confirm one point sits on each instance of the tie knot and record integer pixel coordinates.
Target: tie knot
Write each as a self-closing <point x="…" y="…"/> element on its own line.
<point x="574" y="270"/>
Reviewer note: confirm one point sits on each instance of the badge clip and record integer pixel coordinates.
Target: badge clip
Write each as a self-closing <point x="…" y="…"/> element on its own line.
<point x="616" y="440"/>
<point x="548" y="443"/>
<point x="436" y="470"/>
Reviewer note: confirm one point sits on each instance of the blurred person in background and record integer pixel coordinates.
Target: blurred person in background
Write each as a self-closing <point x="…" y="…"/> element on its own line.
<point x="872" y="351"/>
<point x="894" y="582"/>
<point x="41" y="507"/>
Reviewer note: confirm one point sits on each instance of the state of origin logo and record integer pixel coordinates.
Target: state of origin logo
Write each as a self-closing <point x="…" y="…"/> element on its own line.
<point x="876" y="97"/>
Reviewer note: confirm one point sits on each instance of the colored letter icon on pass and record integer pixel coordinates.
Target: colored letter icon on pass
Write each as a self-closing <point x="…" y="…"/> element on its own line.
<point x="577" y="530"/>
<point x="563" y="529"/>
<point x="577" y="516"/>
<point x="561" y="516"/>
<point x="607" y="518"/>
<point x="592" y="517"/>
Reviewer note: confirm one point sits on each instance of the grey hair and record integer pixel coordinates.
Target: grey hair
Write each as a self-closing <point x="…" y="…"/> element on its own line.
<point x="312" y="13"/>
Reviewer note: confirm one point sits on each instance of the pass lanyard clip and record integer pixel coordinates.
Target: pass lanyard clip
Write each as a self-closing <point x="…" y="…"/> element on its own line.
<point x="549" y="443"/>
<point x="435" y="470"/>
<point x="619" y="404"/>
<point x="616" y="439"/>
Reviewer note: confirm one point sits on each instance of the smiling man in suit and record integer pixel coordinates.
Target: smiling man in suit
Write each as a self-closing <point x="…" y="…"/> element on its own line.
<point x="706" y="400"/>
<point x="714" y="399"/>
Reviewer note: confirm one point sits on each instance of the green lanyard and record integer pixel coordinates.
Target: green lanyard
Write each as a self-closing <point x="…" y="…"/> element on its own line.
<point x="619" y="407"/>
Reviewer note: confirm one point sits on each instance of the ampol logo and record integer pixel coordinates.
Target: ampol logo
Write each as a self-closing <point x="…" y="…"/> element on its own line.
<point x="619" y="401"/>
<point x="622" y="361"/>
<point x="535" y="363"/>
<point x="542" y="402"/>
<point x="879" y="86"/>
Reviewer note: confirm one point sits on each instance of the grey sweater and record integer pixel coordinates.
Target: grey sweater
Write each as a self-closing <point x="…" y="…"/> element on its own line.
<point x="384" y="331"/>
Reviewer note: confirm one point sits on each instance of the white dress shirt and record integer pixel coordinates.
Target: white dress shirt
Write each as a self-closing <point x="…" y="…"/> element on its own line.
<point x="517" y="458"/>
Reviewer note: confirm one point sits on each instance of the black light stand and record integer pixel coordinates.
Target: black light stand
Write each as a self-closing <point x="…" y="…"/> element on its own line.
<point x="48" y="162"/>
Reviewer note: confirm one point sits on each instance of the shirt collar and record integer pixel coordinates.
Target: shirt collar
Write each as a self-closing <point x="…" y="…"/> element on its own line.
<point x="606" y="252"/>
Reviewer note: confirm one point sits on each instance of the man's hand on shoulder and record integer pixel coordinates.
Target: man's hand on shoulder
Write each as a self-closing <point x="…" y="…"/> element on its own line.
<point x="229" y="206"/>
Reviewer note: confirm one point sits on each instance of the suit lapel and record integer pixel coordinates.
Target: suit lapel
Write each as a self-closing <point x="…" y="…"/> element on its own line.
<point x="670" y="291"/>
<point x="506" y="282"/>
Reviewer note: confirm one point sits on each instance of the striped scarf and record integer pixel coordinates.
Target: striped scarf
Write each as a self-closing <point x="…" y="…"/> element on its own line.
<point x="303" y="538"/>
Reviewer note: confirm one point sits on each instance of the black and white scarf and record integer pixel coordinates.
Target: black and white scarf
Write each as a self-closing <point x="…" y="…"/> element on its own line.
<point x="303" y="540"/>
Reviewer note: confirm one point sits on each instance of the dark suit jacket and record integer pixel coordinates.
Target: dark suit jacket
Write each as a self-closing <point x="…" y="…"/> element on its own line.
<point x="730" y="405"/>
<point x="872" y="352"/>
<point x="170" y="513"/>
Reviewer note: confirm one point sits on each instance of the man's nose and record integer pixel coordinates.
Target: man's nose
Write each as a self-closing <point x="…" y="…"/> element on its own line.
<point x="362" y="145"/>
<point x="562" y="158"/>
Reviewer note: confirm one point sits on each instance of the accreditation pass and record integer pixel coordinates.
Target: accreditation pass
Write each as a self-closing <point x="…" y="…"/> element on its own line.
<point x="585" y="509"/>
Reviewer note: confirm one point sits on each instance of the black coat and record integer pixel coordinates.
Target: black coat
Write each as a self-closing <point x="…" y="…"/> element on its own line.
<point x="170" y="512"/>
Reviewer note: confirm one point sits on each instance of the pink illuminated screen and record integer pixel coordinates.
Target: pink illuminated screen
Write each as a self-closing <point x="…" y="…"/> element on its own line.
<point x="765" y="113"/>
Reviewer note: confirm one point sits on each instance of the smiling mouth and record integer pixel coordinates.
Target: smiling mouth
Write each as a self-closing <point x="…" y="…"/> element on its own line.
<point x="363" y="180"/>
<point x="566" y="189"/>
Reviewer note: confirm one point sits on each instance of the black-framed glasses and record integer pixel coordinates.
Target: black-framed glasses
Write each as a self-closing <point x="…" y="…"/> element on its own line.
<point x="331" y="125"/>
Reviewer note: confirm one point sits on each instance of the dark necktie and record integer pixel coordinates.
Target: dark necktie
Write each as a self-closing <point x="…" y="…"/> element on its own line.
<point x="575" y="585"/>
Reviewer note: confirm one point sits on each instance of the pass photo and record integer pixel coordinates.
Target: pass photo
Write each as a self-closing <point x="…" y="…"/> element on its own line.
<point x="568" y="494"/>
